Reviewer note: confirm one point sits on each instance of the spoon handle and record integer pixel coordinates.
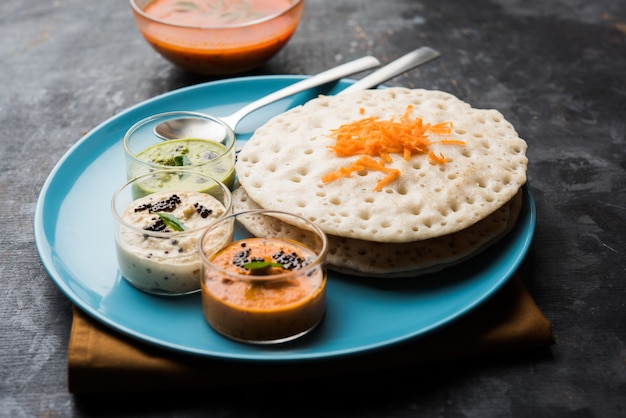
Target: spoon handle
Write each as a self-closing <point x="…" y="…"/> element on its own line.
<point x="401" y="65"/>
<point x="319" y="79"/>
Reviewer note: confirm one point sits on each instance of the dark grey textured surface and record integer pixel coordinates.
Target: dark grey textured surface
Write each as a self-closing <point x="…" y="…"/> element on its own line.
<point x="555" y="68"/>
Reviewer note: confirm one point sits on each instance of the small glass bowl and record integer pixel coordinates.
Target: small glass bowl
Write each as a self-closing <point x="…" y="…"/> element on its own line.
<point x="211" y="152"/>
<point x="221" y="48"/>
<point x="160" y="217"/>
<point x="263" y="276"/>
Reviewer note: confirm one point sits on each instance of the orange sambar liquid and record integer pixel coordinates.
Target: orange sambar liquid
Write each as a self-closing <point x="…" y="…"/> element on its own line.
<point x="224" y="50"/>
<point x="260" y="310"/>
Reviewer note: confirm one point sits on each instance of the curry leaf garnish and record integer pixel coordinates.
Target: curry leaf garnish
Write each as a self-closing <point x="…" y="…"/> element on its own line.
<point x="260" y="267"/>
<point x="222" y="9"/>
<point x="182" y="160"/>
<point x="186" y="5"/>
<point x="171" y="221"/>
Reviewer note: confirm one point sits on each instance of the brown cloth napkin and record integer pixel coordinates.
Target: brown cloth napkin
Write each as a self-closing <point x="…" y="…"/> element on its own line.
<point x="102" y="360"/>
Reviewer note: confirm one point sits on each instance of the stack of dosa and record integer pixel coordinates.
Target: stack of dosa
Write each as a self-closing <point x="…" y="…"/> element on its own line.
<point x="432" y="216"/>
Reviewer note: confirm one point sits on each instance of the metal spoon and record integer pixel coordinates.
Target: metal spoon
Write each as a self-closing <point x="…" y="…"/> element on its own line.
<point x="196" y="128"/>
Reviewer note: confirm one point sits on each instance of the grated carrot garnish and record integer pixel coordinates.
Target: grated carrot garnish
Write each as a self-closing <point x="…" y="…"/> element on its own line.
<point x="440" y="159"/>
<point x="451" y="142"/>
<point x="364" y="163"/>
<point x="373" y="137"/>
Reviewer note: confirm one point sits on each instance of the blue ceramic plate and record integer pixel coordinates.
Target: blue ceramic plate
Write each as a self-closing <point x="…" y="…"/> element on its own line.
<point x="74" y="236"/>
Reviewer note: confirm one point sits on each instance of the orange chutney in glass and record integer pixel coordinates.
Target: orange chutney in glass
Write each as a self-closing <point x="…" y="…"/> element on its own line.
<point x="218" y="38"/>
<point x="274" y="305"/>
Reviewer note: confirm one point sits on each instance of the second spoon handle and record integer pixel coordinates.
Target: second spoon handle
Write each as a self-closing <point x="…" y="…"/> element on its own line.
<point x="401" y="65"/>
<point x="333" y="74"/>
